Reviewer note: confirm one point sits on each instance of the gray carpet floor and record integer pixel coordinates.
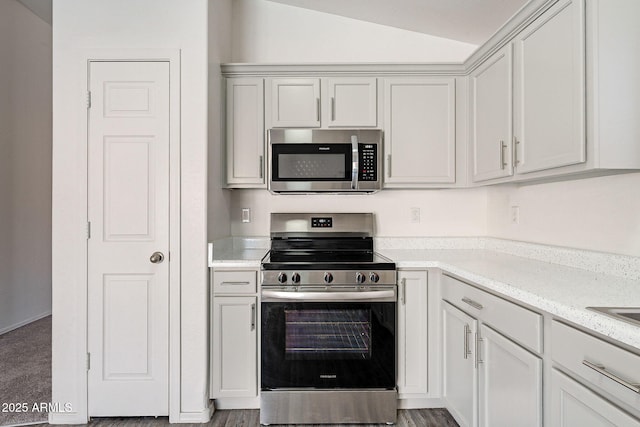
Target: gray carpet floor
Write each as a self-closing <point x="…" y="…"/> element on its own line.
<point x="25" y="372"/>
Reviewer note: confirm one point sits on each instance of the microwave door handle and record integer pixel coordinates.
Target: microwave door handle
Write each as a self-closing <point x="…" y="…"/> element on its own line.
<point x="355" y="157"/>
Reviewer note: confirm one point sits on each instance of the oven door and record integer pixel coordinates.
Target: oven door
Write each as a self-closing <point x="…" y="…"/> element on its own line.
<point x="328" y="344"/>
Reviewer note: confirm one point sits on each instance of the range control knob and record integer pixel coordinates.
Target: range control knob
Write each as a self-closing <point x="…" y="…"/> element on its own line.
<point x="360" y="278"/>
<point x="282" y="278"/>
<point x="328" y="277"/>
<point x="374" y="277"/>
<point x="295" y="278"/>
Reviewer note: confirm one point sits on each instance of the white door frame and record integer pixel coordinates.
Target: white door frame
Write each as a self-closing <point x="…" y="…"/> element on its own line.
<point x="172" y="56"/>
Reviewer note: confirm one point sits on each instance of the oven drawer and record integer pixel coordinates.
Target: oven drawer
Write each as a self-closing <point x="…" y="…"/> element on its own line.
<point x="604" y="365"/>
<point x="518" y="323"/>
<point x="234" y="282"/>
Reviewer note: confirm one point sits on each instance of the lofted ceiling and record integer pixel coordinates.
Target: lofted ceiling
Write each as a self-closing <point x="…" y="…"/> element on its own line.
<point x="41" y="8"/>
<point x="469" y="21"/>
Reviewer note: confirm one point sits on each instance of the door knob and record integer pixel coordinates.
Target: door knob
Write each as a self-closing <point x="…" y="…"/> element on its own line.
<point x="156" y="257"/>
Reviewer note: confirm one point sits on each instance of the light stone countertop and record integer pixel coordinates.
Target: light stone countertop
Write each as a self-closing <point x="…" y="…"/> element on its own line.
<point x="562" y="291"/>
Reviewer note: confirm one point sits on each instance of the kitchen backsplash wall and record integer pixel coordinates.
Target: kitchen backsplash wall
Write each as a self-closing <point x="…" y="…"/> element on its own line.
<point x="458" y="212"/>
<point x="601" y="214"/>
<point x="265" y="31"/>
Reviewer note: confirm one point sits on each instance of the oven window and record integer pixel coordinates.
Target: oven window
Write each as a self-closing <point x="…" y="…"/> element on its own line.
<point x="322" y="334"/>
<point x="311" y="166"/>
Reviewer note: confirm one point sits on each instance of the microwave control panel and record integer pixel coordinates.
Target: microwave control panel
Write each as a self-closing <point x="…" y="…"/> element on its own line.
<point x="368" y="162"/>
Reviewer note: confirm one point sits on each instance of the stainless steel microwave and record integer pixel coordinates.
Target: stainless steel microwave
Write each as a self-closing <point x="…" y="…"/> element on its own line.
<point x="325" y="160"/>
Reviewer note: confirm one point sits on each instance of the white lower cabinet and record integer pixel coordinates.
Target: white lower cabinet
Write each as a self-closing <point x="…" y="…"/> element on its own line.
<point x="412" y="333"/>
<point x="573" y="405"/>
<point x="510" y="382"/>
<point x="458" y="363"/>
<point x="234" y="357"/>
<point x="234" y="335"/>
<point x="490" y="380"/>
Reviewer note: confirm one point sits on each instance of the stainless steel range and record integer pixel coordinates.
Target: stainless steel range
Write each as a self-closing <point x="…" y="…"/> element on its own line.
<point x="328" y="343"/>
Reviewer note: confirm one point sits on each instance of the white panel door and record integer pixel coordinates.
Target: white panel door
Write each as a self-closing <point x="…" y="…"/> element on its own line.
<point x="350" y="102"/>
<point x="491" y="117"/>
<point x="573" y="405"/>
<point x="235" y="360"/>
<point x="460" y="385"/>
<point x="295" y="103"/>
<point x="419" y="125"/>
<point x="510" y="383"/>
<point x="412" y="333"/>
<point x="245" y="132"/>
<point x="128" y="295"/>
<point x="549" y="82"/>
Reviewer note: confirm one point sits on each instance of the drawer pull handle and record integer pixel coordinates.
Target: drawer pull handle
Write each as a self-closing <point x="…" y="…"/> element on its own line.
<point x="234" y="283"/>
<point x="601" y="370"/>
<point x="472" y="303"/>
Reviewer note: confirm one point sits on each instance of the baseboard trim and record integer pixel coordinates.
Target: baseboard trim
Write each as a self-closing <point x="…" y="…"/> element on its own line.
<point x="203" y="416"/>
<point x="24" y="322"/>
<point x="420" y="403"/>
<point x="68" y="418"/>
<point x="238" y="403"/>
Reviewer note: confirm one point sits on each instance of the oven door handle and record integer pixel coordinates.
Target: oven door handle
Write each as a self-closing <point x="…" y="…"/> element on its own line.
<point x="363" y="296"/>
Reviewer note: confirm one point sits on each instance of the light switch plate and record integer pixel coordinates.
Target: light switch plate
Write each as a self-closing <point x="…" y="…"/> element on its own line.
<point x="246" y="215"/>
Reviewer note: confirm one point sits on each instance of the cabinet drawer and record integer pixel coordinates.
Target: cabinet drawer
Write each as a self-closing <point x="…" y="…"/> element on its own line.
<point x="234" y="282"/>
<point x="516" y="322"/>
<point x="575" y="349"/>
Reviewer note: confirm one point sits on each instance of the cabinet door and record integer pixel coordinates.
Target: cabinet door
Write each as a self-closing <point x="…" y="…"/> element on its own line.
<point x="573" y="405"/>
<point x="350" y="102"/>
<point x="550" y="89"/>
<point x="491" y="117"/>
<point x="510" y="382"/>
<point x="412" y="332"/>
<point x="245" y="132"/>
<point x="295" y="103"/>
<point x="458" y="362"/>
<point x="234" y="347"/>
<point x="419" y="124"/>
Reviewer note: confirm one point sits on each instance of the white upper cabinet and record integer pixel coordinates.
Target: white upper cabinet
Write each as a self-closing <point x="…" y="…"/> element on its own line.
<point x="550" y="89"/>
<point x="491" y="117"/>
<point x="349" y="102"/>
<point x="419" y="126"/>
<point x="324" y="102"/>
<point x="295" y="102"/>
<point x="245" y="132"/>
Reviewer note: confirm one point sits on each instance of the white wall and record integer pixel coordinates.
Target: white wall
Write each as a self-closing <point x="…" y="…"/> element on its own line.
<point x="459" y="212"/>
<point x="219" y="200"/>
<point x="265" y="31"/>
<point x="601" y="214"/>
<point x="25" y="166"/>
<point x="127" y="24"/>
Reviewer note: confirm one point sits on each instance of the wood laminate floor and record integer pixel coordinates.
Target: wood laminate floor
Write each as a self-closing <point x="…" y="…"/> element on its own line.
<point x="251" y="418"/>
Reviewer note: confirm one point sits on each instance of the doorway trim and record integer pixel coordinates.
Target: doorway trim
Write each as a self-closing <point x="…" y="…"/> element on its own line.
<point x="78" y="308"/>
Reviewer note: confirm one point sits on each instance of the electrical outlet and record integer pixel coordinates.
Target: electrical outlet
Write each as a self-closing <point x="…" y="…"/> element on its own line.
<point x="515" y="214"/>
<point x="415" y="215"/>
<point x="246" y="215"/>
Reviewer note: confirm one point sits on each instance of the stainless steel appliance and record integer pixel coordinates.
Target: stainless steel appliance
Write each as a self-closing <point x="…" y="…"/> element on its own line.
<point x="328" y="306"/>
<point x="319" y="160"/>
